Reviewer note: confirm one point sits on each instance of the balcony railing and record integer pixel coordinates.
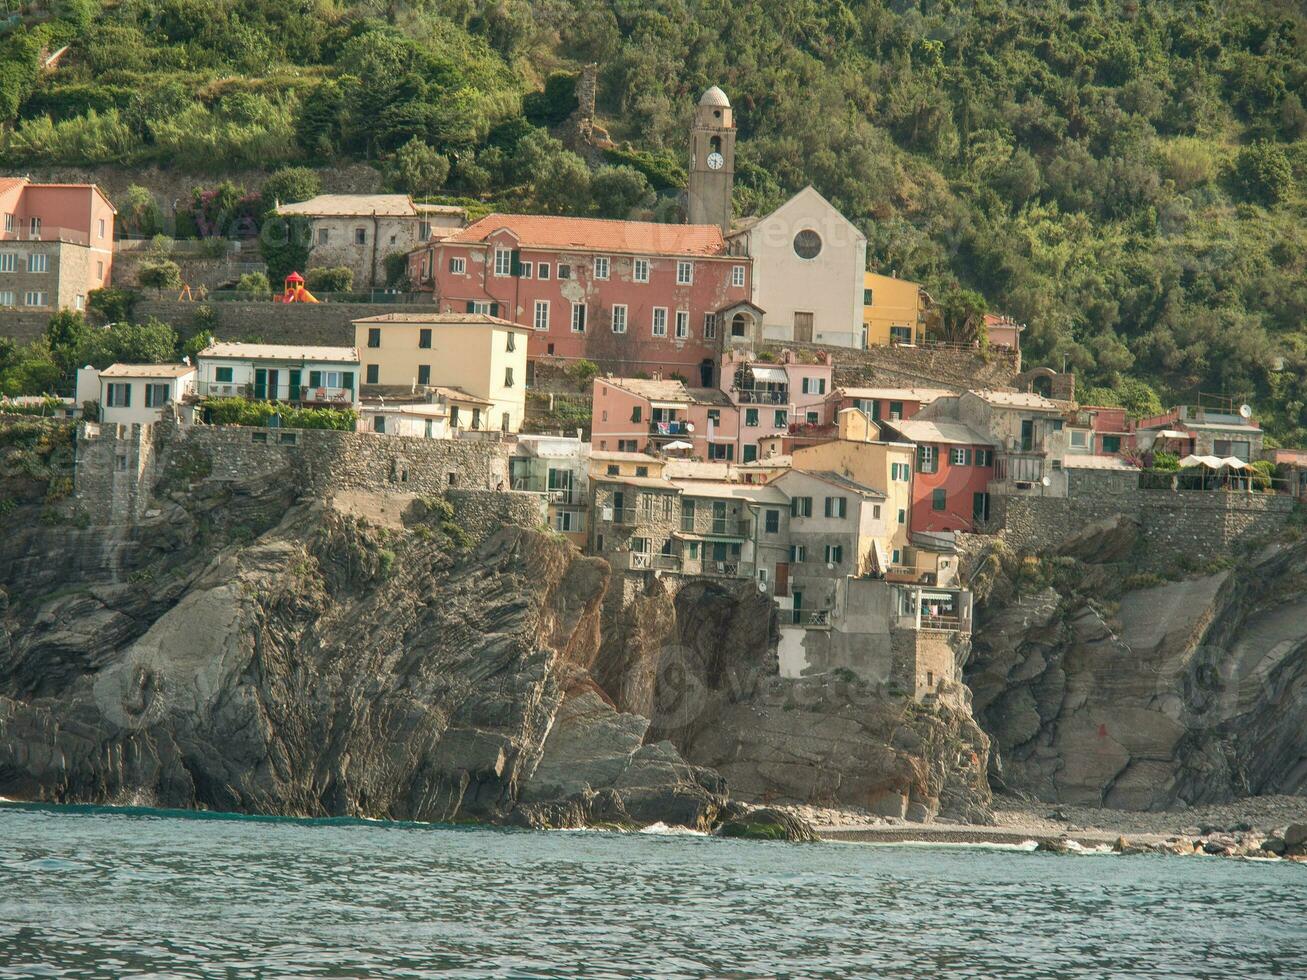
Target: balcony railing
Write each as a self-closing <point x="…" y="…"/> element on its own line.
<point x="731" y="527"/>
<point x="1019" y="467"/>
<point x="730" y="568"/>
<point x="812" y="618"/>
<point x="669" y="428"/>
<point x="320" y="395"/>
<point x="763" y="396"/>
<point x="49" y="233"/>
<point x="643" y="561"/>
<point x="619" y="515"/>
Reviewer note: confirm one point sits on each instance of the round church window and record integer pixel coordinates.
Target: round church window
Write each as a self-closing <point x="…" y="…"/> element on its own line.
<point x="807" y="244"/>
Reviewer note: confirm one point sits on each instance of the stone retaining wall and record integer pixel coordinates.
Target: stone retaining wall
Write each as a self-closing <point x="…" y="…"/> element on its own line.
<point x="22" y="327"/>
<point x="898" y="366"/>
<point x="119" y="467"/>
<point x="482" y="512"/>
<point x="324" y="324"/>
<point x="1177" y="527"/>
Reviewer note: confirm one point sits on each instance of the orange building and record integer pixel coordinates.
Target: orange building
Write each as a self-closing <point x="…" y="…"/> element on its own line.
<point x="56" y="244"/>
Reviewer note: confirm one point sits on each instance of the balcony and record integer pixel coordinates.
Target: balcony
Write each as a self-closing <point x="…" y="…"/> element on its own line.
<point x="625" y="516"/>
<point x="812" y="618"/>
<point x="643" y="562"/>
<point x="932" y="610"/>
<point x="910" y="574"/>
<point x="728" y="568"/>
<point x="48" y="233"/>
<point x="731" y="527"/>
<point x="1019" y="467"/>
<point x="670" y="429"/>
<point x="301" y="394"/>
<point x="763" y="396"/>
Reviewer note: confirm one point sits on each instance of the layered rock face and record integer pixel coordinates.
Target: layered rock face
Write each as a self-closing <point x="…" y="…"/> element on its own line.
<point x="1142" y="694"/>
<point x="242" y="651"/>
<point x="700" y="660"/>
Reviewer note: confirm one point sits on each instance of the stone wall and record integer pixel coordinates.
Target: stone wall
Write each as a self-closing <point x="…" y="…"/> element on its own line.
<point x="119" y="467"/>
<point x="1181" y="528"/>
<point x="328" y="324"/>
<point x="482" y="512"/>
<point x="23" y="327"/>
<point x="898" y="366"/>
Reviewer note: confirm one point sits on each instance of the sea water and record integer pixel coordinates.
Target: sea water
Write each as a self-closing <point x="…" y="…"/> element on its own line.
<point x="94" y="892"/>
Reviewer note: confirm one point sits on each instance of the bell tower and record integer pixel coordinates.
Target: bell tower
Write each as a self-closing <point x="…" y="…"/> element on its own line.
<point x="712" y="161"/>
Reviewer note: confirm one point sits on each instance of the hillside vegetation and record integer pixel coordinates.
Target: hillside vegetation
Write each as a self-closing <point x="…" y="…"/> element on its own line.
<point x="1125" y="177"/>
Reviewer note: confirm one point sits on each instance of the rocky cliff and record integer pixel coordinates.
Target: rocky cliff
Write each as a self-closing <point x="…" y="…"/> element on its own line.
<point x="239" y="646"/>
<point x="238" y="649"/>
<point x="1104" y="687"/>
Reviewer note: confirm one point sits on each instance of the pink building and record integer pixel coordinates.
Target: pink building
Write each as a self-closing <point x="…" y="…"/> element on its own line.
<point x="1003" y="331"/>
<point x="56" y="243"/>
<point x="1111" y="430"/>
<point x="955" y="464"/>
<point x="890" y="404"/>
<point x="755" y="401"/>
<point x="634" y="296"/>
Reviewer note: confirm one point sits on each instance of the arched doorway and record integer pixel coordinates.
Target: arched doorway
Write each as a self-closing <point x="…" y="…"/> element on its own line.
<point x="1042" y="385"/>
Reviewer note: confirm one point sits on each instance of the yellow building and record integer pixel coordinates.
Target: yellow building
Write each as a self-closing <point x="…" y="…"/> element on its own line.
<point x="859" y="455"/>
<point x="893" y="311"/>
<point x="472" y="354"/>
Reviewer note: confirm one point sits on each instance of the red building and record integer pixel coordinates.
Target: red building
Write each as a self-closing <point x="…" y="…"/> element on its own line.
<point x="955" y="464"/>
<point x="634" y="296"/>
<point x="889" y="404"/>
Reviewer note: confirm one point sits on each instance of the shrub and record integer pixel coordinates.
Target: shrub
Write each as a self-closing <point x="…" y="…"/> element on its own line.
<point x="238" y="411"/>
<point x="290" y="185"/>
<point x="582" y="371"/>
<point x="334" y="279"/>
<point x="1263" y="172"/>
<point x="254" y="282"/>
<point x="159" y="276"/>
<point x="418" y="169"/>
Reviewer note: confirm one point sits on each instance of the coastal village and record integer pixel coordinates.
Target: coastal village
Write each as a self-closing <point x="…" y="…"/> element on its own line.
<point x="761" y="411"/>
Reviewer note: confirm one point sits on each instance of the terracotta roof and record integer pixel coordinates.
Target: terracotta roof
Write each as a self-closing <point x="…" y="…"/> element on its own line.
<point x="438" y="318"/>
<point x="281" y="352"/>
<point x="838" y="480"/>
<point x="597" y="235"/>
<point x="661" y="391"/>
<point x="147" y="371"/>
<point x="459" y="395"/>
<point x="352" y="205"/>
<point x="762" y="493"/>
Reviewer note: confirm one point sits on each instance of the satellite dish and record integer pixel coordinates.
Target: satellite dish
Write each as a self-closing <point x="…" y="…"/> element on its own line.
<point x="1046" y="481"/>
<point x="830" y="565"/>
<point x="689" y="426"/>
<point x="762" y="586"/>
<point x="1245" y="411"/>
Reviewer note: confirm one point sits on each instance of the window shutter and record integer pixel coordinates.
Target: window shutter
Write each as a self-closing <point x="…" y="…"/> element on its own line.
<point x="471" y="307"/>
<point x="347" y="380"/>
<point x="315" y="379"/>
<point x="515" y="263"/>
<point x="451" y="265"/>
<point x="827" y="511"/>
<point x="494" y="307"/>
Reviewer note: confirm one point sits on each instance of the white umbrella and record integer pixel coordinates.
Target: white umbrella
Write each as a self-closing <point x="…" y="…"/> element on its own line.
<point x="678" y="444"/>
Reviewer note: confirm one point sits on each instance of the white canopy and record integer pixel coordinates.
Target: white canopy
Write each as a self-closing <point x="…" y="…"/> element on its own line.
<point x="678" y="444"/>
<point x="1214" y="462"/>
<point x="770" y="375"/>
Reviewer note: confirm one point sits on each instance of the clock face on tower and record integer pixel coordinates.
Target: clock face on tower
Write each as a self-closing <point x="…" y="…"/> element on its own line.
<point x="715" y="161"/>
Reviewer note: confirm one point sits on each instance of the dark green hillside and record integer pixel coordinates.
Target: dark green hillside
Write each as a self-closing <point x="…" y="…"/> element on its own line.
<point x="1126" y="177"/>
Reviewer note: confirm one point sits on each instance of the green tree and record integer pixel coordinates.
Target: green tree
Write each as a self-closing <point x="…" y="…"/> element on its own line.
<point x="109" y="305"/>
<point x="151" y="342"/>
<point x="284" y="244"/>
<point x="1263" y="172"/>
<point x="289" y="185"/>
<point x="139" y="212"/>
<point x="66" y="335"/>
<point x="418" y="169"/>
<point x="197" y="342"/>
<point x="563" y="185"/>
<point x="619" y="191"/>
<point x="962" y="316"/>
<point x="254" y="282"/>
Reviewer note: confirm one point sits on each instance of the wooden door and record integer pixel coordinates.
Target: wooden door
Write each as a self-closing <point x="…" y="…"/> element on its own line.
<point x="782" y="578"/>
<point x="803" y="327"/>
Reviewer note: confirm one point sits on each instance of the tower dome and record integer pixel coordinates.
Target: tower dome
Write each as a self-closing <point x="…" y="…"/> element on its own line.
<point x="716" y="97"/>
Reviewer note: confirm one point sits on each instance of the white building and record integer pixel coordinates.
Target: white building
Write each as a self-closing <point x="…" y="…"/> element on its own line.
<point x="808" y="264"/>
<point x="417" y="420"/>
<point x="301" y="375"/>
<point x="135" y="393"/>
<point x="360" y="230"/>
